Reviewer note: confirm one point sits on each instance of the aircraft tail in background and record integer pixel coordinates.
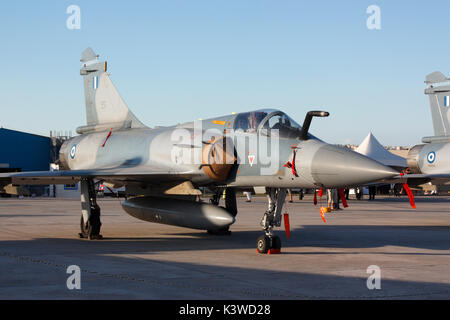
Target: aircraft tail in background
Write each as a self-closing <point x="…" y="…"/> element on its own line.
<point x="439" y="104"/>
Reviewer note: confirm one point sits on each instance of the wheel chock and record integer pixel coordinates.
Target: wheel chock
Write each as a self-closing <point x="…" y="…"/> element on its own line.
<point x="271" y="251"/>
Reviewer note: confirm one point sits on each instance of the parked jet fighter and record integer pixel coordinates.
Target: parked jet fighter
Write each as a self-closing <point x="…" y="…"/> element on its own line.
<point x="164" y="168"/>
<point x="431" y="161"/>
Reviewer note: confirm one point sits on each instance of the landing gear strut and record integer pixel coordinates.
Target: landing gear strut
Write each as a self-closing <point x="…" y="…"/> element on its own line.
<point x="270" y="243"/>
<point x="90" y="211"/>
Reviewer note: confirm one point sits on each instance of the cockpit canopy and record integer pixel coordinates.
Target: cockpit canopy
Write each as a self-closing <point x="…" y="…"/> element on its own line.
<point x="266" y="120"/>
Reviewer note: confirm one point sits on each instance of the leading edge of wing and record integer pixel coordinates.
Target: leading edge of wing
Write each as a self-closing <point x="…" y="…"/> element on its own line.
<point x="139" y="174"/>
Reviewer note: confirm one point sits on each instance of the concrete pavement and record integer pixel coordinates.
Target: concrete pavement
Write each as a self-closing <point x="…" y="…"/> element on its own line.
<point x="141" y="260"/>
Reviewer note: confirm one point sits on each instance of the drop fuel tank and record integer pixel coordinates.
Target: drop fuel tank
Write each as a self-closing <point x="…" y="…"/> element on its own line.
<point x="176" y="212"/>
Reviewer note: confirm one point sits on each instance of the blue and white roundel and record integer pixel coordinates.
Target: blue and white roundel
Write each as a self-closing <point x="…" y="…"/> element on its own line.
<point x="431" y="157"/>
<point x="73" y="150"/>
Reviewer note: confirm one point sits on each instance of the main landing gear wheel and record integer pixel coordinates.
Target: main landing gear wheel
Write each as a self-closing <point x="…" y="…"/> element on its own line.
<point x="90" y="229"/>
<point x="266" y="244"/>
<point x="85" y="229"/>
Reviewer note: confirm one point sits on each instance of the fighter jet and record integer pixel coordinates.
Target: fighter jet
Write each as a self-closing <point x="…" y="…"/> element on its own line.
<point x="165" y="169"/>
<point x="431" y="161"/>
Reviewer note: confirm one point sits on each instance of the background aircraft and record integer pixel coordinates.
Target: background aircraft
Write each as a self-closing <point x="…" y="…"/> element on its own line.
<point x="163" y="168"/>
<point x="431" y="161"/>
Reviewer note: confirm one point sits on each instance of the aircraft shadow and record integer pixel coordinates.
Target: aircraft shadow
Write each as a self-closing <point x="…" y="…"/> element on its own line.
<point x="108" y="274"/>
<point x="312" y="236"/>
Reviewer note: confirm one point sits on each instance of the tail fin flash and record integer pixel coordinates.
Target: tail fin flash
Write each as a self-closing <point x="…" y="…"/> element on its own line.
<point x="439" y="102"/>
<point x="105" y="107"/>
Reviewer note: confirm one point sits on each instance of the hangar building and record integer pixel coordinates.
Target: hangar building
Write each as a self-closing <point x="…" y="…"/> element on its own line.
<point x="21" y="151"/>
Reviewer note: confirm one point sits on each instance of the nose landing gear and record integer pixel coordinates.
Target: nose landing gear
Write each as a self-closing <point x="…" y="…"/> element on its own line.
<point x="270" y="243"/>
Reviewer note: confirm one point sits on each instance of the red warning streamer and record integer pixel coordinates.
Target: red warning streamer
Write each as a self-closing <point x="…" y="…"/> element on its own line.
<point x="292" y="165"/>
<point x="408" y="190"/>
<point x="107" y="137"/>
<point x="344" y="200"/>
<point x="287" y="226"/>
<point x="320" y="192"/>
<point x="410" y="195"/>
<point x="322" y="214"/>
<point x="294" y="171"/>
<point x="315" y="197"/>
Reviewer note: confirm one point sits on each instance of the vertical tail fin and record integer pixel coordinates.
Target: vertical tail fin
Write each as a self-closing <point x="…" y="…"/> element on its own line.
<point x="105" y="107"/>
<point x="439" y="102"/>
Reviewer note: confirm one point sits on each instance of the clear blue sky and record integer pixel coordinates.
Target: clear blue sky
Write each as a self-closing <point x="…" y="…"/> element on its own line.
<point x="176" y="61"/>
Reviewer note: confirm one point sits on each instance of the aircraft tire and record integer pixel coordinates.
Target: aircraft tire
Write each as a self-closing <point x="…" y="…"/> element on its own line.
<point x="263" y="244"/>
<point x="85" y="229"/>
<point x="91" y="229"/>
<point x="94" y="222"/>
<point x="276" y="243"/>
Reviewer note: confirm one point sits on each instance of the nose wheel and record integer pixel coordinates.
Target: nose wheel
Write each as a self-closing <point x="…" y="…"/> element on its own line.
<point x="268" y="244"/>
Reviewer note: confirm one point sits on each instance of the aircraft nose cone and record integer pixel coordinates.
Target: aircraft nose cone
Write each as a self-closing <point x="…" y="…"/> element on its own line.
<point x="335" y="166"/>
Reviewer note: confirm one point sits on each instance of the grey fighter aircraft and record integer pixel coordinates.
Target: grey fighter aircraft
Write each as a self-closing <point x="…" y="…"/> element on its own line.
<point x="164" y="169"/>
<point x="431" y="161"/>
